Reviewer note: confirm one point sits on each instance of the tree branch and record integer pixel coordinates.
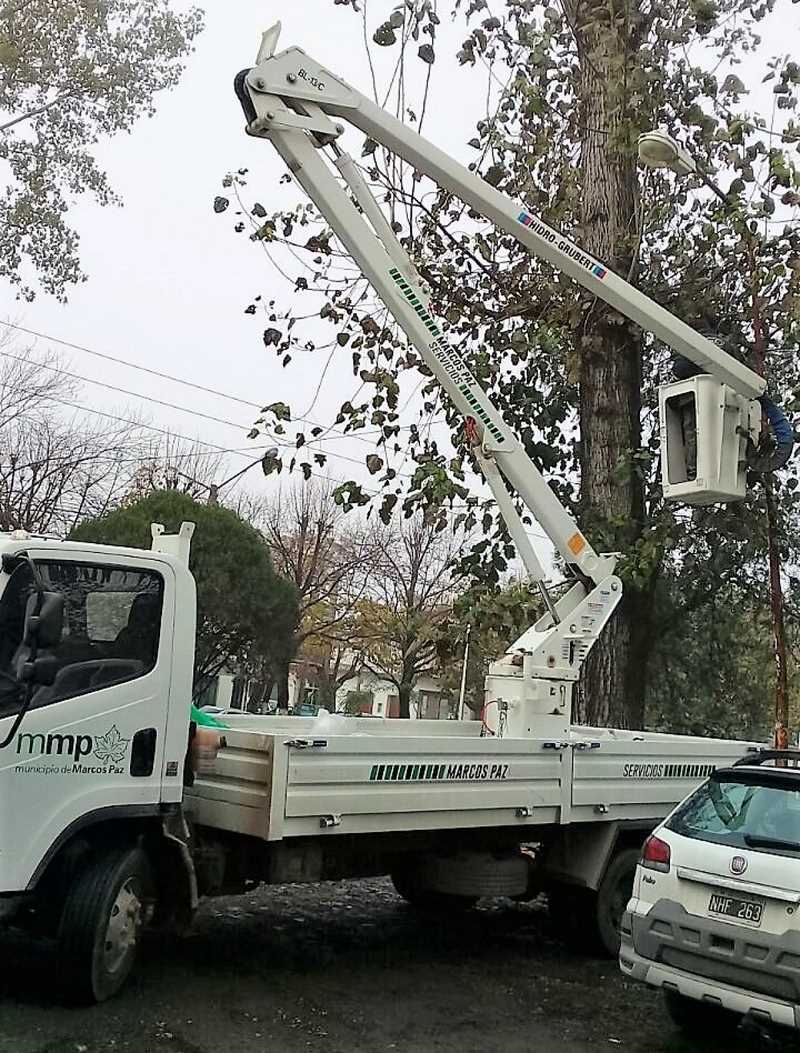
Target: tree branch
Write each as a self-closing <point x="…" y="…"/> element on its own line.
<point x="39" y="109"/>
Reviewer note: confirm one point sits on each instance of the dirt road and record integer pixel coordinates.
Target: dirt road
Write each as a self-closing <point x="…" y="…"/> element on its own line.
<point x="346" y="968"/>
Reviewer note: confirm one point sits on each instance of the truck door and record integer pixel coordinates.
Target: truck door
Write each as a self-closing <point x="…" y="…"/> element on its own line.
<point x="92" y="744"/>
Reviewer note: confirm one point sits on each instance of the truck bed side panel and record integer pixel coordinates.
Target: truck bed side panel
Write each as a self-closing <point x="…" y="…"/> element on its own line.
<point x="375" y="784"/>
<point x="633" y="776"/>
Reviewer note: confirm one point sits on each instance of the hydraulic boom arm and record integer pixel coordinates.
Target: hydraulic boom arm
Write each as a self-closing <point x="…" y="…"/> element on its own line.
<point x="298" y="105"/>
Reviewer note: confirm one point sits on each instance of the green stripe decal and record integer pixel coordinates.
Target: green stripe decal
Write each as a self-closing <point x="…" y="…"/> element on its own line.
<point x="443" y="352"/>
<point x="454" y="771"/>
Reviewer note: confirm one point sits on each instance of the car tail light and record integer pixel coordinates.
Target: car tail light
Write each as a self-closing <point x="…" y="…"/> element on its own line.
<point x="656" y="854"/>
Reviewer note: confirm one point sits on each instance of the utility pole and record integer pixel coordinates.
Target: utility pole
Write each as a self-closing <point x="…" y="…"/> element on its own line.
<point x="462" y="693"/>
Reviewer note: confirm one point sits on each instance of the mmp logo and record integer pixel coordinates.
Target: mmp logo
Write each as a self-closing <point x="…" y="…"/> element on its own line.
<point x="110" y="748"/>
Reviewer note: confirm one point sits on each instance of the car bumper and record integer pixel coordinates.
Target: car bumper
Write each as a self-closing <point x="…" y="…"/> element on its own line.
<point x="759" y="1007"/>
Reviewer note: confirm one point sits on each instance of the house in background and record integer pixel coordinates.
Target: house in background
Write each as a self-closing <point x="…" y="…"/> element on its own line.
<point x="377" y="697"/>
<point x="230" y="691"/>
<point x="373" y="695"/>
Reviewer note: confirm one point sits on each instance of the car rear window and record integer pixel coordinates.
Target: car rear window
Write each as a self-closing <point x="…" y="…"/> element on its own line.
<point x="756" y="810"/>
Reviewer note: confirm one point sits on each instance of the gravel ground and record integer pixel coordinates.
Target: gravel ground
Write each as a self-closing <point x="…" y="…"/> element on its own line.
<point x="347" y="968"/>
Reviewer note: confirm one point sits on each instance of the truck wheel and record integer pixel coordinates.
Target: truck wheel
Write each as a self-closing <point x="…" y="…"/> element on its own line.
<point x="699" y="1019"/>
<point x="591" y="920"/>
<point x="101" y="923"/>
<point x="612" y="899"/>
<point x="427" y="901"/>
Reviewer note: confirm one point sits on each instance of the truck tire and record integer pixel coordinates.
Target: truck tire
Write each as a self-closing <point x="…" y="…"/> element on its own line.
<point x="426" y="901"/>
<point x="590" y="920"/>
<point x="612" y="899"/>
<point x="699" y="1019"/>
<point x="100" y="929"/>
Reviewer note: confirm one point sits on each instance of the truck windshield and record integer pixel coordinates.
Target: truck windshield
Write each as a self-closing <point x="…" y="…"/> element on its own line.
<point x="751" y="810"/>
<point x="18" y="587"/>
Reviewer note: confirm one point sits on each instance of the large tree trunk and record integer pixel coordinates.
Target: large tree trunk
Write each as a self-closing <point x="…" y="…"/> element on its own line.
<point x="404" y="694"/>
<point x="282" y="680"/>
<point x="610" y="348"/>
<point x="326" y="692"/>
<point x="266" y="697"/>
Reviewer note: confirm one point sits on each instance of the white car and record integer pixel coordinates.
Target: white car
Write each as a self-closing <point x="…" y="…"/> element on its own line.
<point x="715" y="916"/>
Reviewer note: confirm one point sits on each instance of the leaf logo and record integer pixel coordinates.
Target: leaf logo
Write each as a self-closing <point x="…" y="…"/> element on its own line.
<point x="111" y="747"/>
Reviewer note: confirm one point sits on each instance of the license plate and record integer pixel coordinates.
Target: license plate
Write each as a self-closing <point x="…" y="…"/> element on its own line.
<point x="746" y="910"/>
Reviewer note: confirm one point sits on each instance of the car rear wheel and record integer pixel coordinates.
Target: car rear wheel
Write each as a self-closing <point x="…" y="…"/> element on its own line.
<point x="699" y="1019"/>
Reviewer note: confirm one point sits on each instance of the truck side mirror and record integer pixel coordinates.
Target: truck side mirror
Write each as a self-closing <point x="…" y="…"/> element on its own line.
<point x="43" y="628"/>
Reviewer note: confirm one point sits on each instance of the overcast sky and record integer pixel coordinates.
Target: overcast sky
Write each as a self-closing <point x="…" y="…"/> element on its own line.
<point x="169" y="280"/>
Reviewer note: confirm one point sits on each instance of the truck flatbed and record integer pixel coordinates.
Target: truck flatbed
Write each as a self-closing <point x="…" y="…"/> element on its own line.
<point x="283" y="777"/>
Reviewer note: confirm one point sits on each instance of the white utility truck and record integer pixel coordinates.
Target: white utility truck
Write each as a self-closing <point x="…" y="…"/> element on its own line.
<point x="104" y="826"/>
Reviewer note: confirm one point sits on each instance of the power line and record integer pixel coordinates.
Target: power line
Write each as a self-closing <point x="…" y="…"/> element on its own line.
<point x="179" y="458"/>
<point x="131" y="365"/>
<point x="126" y="391"/>
<point x="213" y="446"/>
<point x="451" y="512"/>
<point x="185" y="438"/>
<point x="199" y="387"/>
<point x="137" y="424"/>
<point x="175" y="380"/>
<point x="174" y="406"/>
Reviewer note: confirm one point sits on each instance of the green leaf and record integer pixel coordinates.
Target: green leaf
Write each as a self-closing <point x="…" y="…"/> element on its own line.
<point x="495" y="175"/>
<point x="733" y="85"/>
<point x="387" y="507"/>
<point x="384" y="36"/>
<point x="111" y="747"/>
<point x="271" y="462"/>
<point x="279" y="410"/>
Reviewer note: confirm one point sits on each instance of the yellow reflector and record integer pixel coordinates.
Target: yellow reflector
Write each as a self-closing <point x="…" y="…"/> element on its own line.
<point x="576" y="544"/>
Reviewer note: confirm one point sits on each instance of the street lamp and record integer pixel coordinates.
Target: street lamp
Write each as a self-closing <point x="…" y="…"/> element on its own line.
<point x="660" y="150"/>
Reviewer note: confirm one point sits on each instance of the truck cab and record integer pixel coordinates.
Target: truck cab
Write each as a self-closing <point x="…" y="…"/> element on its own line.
<point x="94" y="730"/>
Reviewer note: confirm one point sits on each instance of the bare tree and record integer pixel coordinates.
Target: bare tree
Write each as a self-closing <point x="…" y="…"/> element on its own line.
<point x="55" y="468"/>
<point x="329" y="558"/>
<point x="27" y="382"/>
<point x="172" y="463"/>
<point x="411" y="598"/>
